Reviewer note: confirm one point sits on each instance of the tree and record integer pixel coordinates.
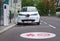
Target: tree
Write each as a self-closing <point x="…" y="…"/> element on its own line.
<point x="50" y="6"/>
<point x="42" y="5"/>
<point x="27" y="2"/>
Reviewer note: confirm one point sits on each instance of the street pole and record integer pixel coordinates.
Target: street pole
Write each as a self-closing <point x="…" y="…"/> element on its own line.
<point x="15" y="1"/>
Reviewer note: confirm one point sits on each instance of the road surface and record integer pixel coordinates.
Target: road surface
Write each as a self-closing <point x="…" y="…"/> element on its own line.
<point x="48" y="24"/>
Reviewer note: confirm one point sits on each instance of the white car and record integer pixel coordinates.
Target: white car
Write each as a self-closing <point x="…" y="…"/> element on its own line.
<point x="28" y="15"/>
<point x="58" y="12"/>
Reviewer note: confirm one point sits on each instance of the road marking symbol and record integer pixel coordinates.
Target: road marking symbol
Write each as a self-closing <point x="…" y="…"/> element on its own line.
<point x="38" y="35"/>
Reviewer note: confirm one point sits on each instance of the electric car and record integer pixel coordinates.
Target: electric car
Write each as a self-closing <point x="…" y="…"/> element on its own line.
<point x="28" y="14"/>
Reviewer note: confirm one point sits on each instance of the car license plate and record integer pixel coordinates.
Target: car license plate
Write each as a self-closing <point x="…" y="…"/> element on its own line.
<point x="27" y="21"/>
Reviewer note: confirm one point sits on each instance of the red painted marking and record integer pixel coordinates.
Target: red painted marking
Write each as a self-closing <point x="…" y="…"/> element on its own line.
<point x="30" y="35"/>
<point x="38" y="35"/>
<point x="43" y="34"/>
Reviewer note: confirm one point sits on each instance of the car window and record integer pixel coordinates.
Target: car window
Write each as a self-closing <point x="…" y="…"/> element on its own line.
<point x="32" y="10"/>
<point x="29" y="9"/>
<point x="24" y="9"/>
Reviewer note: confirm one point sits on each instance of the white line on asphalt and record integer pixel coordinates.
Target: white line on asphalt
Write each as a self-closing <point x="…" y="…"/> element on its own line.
<point x="52" y="26"/>
<point x="45" y="22"/>
<point x="49" y="24"/>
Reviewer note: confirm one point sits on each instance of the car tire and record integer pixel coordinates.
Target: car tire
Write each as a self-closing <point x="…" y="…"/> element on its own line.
<point x="38" y="23"/>
<point x="18" y="23"/>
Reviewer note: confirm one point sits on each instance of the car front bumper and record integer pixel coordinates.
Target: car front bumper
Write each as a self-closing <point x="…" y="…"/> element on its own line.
<point x="31" y="19"/>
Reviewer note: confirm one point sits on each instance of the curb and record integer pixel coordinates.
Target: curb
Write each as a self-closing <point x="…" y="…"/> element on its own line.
<point x="7" y="28"/>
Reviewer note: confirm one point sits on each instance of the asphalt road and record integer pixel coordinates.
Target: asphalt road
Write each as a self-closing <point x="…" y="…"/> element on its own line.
<point x="48" y="24"/>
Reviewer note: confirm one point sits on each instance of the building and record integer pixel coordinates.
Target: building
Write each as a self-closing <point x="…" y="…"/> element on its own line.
<point x="1" y="12"/>
<point x="15" y="5"/>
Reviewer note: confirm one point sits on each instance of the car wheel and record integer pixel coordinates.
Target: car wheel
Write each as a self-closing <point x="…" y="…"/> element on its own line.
<point x="18" y="23"/>
<point x="38" y="23"/>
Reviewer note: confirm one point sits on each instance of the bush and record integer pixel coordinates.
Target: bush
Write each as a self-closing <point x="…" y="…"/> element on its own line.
<point x="53" y="12"/>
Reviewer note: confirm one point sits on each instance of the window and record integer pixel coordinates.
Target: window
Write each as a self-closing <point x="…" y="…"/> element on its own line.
<point x="15" y="1"/>
<point x="24" y="10"/>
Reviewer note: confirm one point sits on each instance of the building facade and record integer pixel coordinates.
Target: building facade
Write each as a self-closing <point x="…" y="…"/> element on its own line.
<point x="1" y="12"/>
<point x="14" y="6"/>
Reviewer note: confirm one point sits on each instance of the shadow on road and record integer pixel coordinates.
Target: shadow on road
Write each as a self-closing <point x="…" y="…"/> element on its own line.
<point x="26" y="24"/>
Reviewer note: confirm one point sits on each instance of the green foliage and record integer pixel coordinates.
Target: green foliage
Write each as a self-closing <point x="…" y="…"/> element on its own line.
<point x="53" y="12"/>
<point x="27" y="3"/>
<point x="42" y="6"/>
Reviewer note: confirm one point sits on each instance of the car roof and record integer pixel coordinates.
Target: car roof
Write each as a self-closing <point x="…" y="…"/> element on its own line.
<point x="29" y="7"/>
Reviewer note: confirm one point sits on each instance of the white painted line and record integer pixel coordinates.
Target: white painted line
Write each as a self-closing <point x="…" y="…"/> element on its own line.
<point x="52" y="26"/>
<point x="49" y="25"/>
<point x="7" y="28"/>
<point x="40" y="23"/>
<point x="45" y="22"/>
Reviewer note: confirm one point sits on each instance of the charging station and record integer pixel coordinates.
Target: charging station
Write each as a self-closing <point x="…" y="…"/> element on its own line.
<point x="6" y="13"/>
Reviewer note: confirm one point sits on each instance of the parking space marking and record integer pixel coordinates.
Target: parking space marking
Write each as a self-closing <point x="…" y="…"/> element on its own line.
<point x="52" y="26"/>
<point x="45" y="22"/>
<point x="49" y="24"/>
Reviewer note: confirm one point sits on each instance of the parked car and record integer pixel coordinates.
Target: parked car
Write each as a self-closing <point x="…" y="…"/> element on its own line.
<point x="28" y="14"/>
<point x="58" y="12"/>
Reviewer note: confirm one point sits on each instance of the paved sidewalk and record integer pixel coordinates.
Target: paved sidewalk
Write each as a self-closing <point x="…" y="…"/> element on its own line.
<point x="5" y="28"/>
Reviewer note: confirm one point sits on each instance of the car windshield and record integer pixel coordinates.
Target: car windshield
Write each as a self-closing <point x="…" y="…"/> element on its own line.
<point x="29" y="10"/>
<point x="24" y="9"/>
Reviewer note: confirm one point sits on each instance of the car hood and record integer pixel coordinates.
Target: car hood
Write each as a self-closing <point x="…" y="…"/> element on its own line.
<point x="28" y="12"/>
